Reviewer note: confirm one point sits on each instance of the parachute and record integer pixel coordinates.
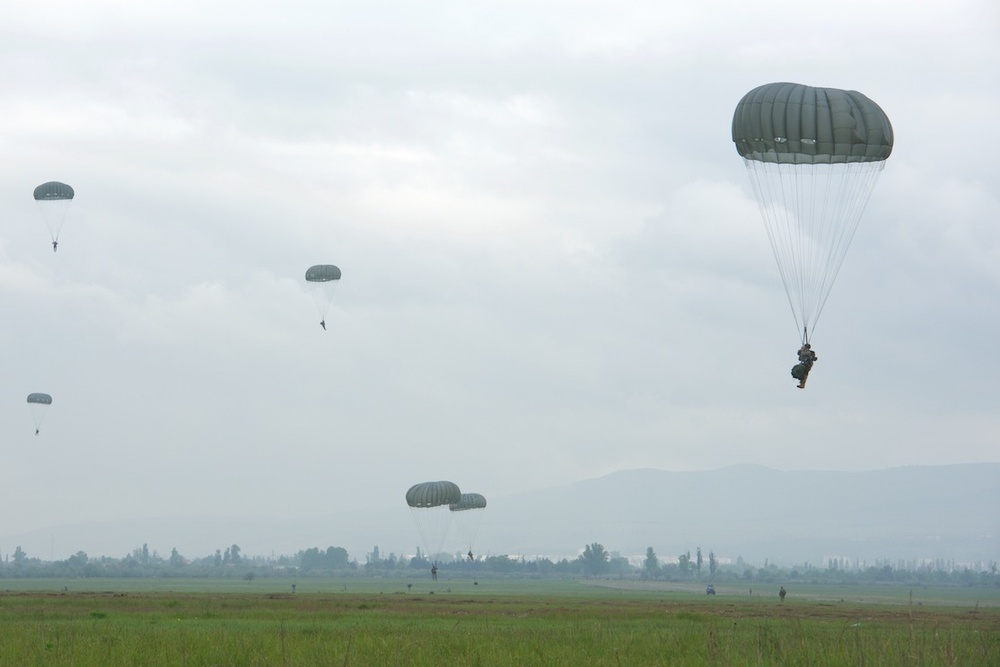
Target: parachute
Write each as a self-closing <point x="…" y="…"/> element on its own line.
<point x="429" y="504"/>
<point x="39" y="404"/>
<point x="53" y="200"/>
<point x="323" y="279"/>
<point x="813" y="156"/>
<point x="468" y="514"/>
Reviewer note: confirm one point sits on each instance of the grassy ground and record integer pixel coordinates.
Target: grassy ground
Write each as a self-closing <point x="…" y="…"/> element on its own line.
<point x="493" y="622"/>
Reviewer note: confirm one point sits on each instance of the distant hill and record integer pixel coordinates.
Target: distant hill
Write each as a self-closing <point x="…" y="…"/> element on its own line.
<point x="912" y="512"/>
<point x="949" y="512"/>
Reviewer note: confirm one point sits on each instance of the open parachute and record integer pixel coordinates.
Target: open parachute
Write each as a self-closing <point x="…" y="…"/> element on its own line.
<point x="323" y="280"/>
<point x="39" y="404"/>
<point x="813" y="156"/>
<point x="430" y="504"/>
<point x="53" y="200"/>
<point x="468" y="515"/>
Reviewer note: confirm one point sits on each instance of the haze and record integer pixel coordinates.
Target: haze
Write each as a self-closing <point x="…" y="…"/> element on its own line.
<point x="553" y="265"/>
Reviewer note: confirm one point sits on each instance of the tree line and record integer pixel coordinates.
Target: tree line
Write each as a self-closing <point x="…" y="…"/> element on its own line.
<point x="594" y="561"/>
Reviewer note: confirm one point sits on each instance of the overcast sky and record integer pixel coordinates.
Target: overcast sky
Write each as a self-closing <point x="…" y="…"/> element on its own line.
<point x="553" y="264"/>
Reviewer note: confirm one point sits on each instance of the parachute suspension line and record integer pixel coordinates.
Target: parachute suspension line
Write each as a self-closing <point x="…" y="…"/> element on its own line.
<point x="54" y="215"/>
<point x="799" y="194"/>
<point x="849" y="191"/>
<point x="773" y="206"/>
<point x="433" y="524"/>
<point x="810" y="214"/>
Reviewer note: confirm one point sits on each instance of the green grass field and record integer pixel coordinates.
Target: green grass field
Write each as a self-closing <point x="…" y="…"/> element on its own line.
<point x="359" y="621"/>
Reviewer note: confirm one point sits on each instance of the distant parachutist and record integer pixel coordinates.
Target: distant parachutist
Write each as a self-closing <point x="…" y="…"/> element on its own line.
<point x="54" y="199"/>
<point x="39" y="404"/>
<point x="322" y="280"/>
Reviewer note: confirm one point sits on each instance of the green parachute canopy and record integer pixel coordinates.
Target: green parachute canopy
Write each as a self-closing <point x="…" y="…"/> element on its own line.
<point x="813" y="156"/>
<point x="433" y="494"/>
<point x="53" y="190"/>
<point x="322" y="273"/>
<point x="39" y="398"/>
<point x="792" y="123"/>
<point x="469" y="501"/>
